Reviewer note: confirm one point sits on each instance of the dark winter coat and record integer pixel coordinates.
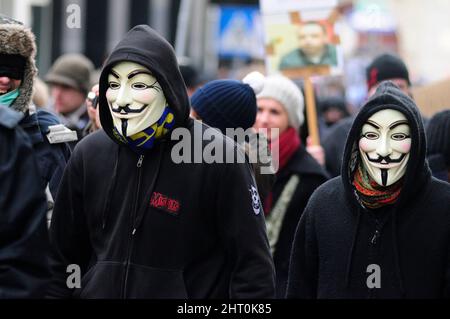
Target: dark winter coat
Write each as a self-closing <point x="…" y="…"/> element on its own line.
<point x="51" y="158"/>
<point x="16" y="39"/>
<point x="334" y="144"/>
<point x="338" y="240"/>
<point x="24" y="245"/>
<point x="147" y="227"/>
<point x="311" y="176"/>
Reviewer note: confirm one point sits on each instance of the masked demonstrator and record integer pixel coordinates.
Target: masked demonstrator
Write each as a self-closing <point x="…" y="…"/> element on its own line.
<point x="381" y="230"/>
<point x="139" y="223"/>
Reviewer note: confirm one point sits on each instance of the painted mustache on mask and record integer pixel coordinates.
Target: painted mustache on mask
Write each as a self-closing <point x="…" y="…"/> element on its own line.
<point x="126" y="109"/>
<point x="385" y="159"/>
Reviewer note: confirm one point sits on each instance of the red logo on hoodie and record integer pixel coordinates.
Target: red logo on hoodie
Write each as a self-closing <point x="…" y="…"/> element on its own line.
<point x="163" y="202"/>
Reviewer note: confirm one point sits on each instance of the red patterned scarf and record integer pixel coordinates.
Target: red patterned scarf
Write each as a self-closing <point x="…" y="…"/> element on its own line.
<point x="373" y="195"/>
<point x="288" y="143"/>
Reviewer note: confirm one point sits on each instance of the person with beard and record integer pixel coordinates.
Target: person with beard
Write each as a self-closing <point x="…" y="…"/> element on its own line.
<point x="156" y="227"/>
<point x="69" y="79"/>
<point x="381" y="229"/>
<point x="280" y="112"/>
<point x="313" y="48"/>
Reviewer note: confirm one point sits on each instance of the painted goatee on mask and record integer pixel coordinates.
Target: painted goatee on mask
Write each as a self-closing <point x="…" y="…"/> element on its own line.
<point x="135" y="98"/>
<point x="385" y="146"/>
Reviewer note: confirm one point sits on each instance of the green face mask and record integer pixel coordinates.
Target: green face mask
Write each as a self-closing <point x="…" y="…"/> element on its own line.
<point x="8" y="98"/>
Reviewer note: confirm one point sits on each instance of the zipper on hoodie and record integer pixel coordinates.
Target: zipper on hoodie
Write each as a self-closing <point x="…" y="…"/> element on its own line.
<point x="374" y="253"/>
<point x="133" y="230"/>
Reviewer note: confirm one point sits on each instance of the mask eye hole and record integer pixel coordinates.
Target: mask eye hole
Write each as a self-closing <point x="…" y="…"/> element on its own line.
<point x="399" y="136"/>
<point x="139" y="86"/>
<point x="114" y="85"/>
<point x="371" y="136"/>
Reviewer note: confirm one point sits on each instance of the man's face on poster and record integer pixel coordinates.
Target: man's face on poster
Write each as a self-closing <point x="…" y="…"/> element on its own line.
<point x="312" y="39"/>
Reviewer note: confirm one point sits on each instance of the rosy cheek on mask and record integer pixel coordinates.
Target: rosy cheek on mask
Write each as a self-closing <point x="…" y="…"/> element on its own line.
<point x="406" y="146"/>
<point x="364" y="144"/>
<point x="144" y="96"/>
<point x="109" y="95"/>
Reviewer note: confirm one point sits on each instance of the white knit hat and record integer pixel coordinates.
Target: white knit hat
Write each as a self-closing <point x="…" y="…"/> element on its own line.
<point x="283" y="90"/>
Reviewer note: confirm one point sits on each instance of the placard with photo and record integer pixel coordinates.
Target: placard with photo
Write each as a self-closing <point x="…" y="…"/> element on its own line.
<point x="302" y="37"/>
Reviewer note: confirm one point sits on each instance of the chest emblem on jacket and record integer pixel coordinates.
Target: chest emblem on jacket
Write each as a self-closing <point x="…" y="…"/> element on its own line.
<point x="165" y="203"/>
<point x="255" y="200"/>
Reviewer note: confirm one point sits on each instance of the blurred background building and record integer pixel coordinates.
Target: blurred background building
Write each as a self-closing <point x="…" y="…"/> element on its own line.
<point x="225" y="38"/>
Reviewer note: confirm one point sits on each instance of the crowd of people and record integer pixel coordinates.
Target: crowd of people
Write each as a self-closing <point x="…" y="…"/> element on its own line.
<point x="91" y="176"/>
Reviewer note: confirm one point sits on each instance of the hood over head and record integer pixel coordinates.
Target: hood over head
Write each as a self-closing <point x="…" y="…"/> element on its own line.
<point x="18" y="40"/>
<point x="389" y="96"/>
<point x="145" y="46"/>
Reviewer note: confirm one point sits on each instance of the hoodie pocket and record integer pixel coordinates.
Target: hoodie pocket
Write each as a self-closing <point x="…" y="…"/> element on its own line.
<point x="103" y="280"/>
<point x="155" y="283"/>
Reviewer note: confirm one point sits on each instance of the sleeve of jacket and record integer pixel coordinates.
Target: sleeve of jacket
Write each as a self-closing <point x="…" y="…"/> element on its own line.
<point x="24" y="243"/>
<point x="242" y="229"/>
<point x="61" y="157"/>
<point x="69" y="235"/>
<point x="303" y="268"/>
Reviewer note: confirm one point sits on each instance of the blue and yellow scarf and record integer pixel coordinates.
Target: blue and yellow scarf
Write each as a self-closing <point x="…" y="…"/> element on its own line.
<point x="145" y="140"/>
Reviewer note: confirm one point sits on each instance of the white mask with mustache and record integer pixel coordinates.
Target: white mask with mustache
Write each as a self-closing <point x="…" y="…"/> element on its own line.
<point x="385" y="146"/>
<point x="135" y="98"/>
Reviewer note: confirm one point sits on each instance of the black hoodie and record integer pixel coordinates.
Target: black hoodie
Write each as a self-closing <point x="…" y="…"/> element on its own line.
<point x="338" y="239"/>
<point x="146" y="227"/>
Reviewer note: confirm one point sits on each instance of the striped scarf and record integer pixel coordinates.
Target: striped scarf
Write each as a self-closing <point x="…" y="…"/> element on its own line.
<point x="373" y="195"/>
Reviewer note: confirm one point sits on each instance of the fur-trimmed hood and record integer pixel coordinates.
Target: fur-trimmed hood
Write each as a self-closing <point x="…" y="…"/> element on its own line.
<point x="15" y="38"/>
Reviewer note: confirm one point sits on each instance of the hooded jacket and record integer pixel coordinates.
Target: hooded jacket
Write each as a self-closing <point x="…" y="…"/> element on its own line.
<point x="24" y="241"/>
<point x="16" y="39"/>
<point x="338" y="241"/>
<point x="143" y="226"/>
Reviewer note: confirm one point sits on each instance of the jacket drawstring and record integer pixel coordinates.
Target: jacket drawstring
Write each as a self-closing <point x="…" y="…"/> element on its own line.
<point x="352" y="249"/>
<point x="112" y="185"/>
<point x="396" y="255"/>
<point x="142" y="210"/>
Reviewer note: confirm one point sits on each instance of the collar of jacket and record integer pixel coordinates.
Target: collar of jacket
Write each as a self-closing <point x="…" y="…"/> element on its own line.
<point x="303" y="163"/>
<point x="30" y="125"/>
<point x="36" y="124"/>
<point x="8" y="117"/>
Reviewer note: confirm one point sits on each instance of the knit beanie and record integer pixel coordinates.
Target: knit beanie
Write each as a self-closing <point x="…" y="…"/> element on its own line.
<point x="73" y="70"/>
<point x="286" y="92"/>
<point x="333" y="102"/>
<point x="386" y="67"/>
<point x="438" y="135"/>
<point x="228" y="103"/>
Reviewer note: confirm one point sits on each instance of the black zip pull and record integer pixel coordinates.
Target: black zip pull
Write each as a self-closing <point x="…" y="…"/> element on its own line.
<point x="141" y="159"/>
<point x="375" y="237"/>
